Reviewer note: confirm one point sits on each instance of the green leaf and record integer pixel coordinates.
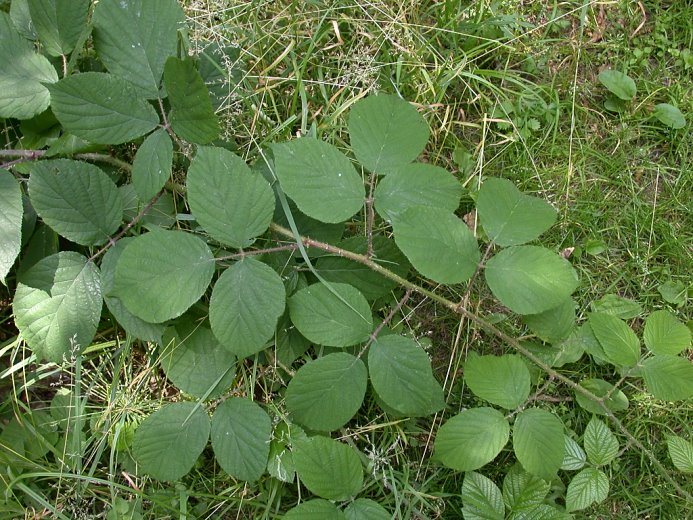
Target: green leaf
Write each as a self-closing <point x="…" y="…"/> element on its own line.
<point x="481" y="498"/>
<point x="541" y="512"/>
<point x="471" y="439"/>
<point x="681" y="453"/>
<point x="333" y="320"/>
<point x="416" y="184"/>
<point x="21" y="18"/>
<point x="161" y="214"/>
<point x="319" y="178"/>
<point x="616" y="403"/>
<point x="57" y="305"/>
<point x="366" y="509"/>
<point x="618" y="84"/>
<point x="133" y="38"/>
<point x="668" y="377"/>
<point x="510" y="217"/>
<point x="670" y="115"/>
<point x="162" y="273"/>
<point x="11" y="211"/>
<point x="168" y="442"/>
<point x="500" y="380"/>
<point x="620" y="344"/>
<point x="315" y="509"/>
<point x="600" y="443"/>
<point x="101" y="108"/>
<point x="539" y="442"/>
<point x="402" y="376"/>
<point x="673" y="292"/>
<point x="328" y="468"/>
<point x="233" y="204"/>
<point x="421" y="230"/>
<point x="522" y="491"/>
<point x="246" y="304"/>
<point x="59" y="24"/>
<point x="23" y="75"/>
<point x="76" y="199"/>
<point x="195" y="361"/>
<point x="664" y="334"/>
<point x="590" y="486"/>
<point x="618" y="306"/>
<point x="553" y="325"/>
<point x="530" y="279"/>
<point x="192" y="117"/>
<point x="326" y="393"/>
<point x="370" y="283"/>
<point x="151" y="167"/>
<point x="241" y="433"/>
<point x="132" y="324"/>
<point x="386" y="132"/>
<point x="574" y="457"/>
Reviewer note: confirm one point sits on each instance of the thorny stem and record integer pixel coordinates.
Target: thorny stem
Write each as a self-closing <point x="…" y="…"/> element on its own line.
<point x="490" y="328"/>
<point x="30" y="155"/>
<point x="256" y="252"/>
<point x="370" y="216"/>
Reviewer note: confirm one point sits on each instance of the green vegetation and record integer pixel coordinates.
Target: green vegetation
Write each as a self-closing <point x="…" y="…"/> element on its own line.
<point x="345" y="260"/>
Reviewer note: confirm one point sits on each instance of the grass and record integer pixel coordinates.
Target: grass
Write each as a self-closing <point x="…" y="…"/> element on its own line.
<point x="508" y="90"/>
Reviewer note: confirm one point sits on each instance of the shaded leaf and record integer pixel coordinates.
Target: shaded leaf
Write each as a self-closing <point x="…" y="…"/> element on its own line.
<point x="59" y="24"/>
<point x="366" y="509"/>
<point x="168" y="442"/>
<point x="523" y="491"/>
<point x="500" y="380"/>
<point x="151" y="167"/>
<point x="471" y="439"/>
<point x="481" y="498"/>
<point x="326" y="393"/>
<point x="315" y="509"/>
<point x="555" y="324"/>
<point x="615" y="305"/>
<point x="539" y="442"/>
<point x="617" y="402"/>
<point x="11" y="211"/>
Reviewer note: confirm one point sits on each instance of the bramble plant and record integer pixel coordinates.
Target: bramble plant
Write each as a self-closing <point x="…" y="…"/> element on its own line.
<point x="216" y="264"/>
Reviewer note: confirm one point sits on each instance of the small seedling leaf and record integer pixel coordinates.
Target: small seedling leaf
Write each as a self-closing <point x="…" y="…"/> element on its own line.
<point x="326" y="393"/>
<point x="471" y="439"/>
<point x="386" y="132"/>
<point x="500" y="380"/>
<point x="530" y="279"/>
<point x="168" y="442"/>
<point x="510" y="217"/>
<point x="539" y="442"/>
<point x="328" y="468"/>
<point x="160" y="274"/>
<point x="241" y="433"/>
<point x="421" y="229"/>
<point x="619" y="84"/>
<point x="670" y="116"/>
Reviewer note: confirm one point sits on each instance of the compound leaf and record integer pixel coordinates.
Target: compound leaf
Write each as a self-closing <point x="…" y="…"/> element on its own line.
<point x="590" y="486"/>
<point x="246" y="304"/>
<point x="416" y="184"/>
<point x="681" y="453"/>
<point x="620" y="344"/>
<point x="618" y="83"/>
<point x="530" y="279"/>
<point x="334" y="316"/>
<point x="664" y="334"/>
<point x="101" y="108"/>
<point x="324" y="394"/>
<point x="11" y="212"/>
<point x="600" y="443"/>
<point x="421" y="230"/>
<point x="233" y="204"/>
<point x="668" y="377"/>
<point x="319" y="178"/>
<point x="471" y="439"/>
<point x="539" y="442"/>
<point x="135" y="37"/>
<point x="241" y="433"/>
<point x="402" y="377"/>
<point x="76" y="199"/>
<point x="151" y="167"/>
<point x="195" y="361"/>
<point x="386" y="132"/>
<point x="510" y="217"/>
<point x="59" y="24"/>
<point x="328" y="468"/>
<point x="481" y="498"/>
<point x="501" y="380"/>
<point x="192" y="117"/>
<point x="168" y="442"/>
<point x="160" y="274"/>
<point x="23" y="75"/>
